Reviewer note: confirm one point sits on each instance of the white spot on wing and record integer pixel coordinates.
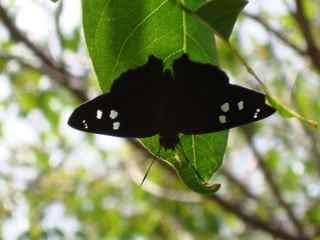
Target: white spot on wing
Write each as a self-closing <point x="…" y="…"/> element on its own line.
<point x="256" y="113"/>
<point x="116" y="125"/>
<point x="99" y="114"/>
<point x="113" y="114"/>
<point x="225" y="107"/>
<point x="222" y="119"/>
<point x="240" y="105"/>
<point x="85" y="124"/>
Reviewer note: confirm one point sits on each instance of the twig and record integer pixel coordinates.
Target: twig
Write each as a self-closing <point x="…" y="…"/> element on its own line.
<point x="233" y="208"/>
<point x="18" y="36"/>
<point x="64" y="79"/>
<point x="253" y="220"/>
<point x="244" y="189"/>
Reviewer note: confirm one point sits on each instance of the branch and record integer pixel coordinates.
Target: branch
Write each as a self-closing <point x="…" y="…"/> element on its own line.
<point x="63" y="79"/>
<point x="305" y="28"/>
<point x="273" y="186"/>
<point x="230" y="207"/>
<point x="48" y="67"/>
<point x="18" y="36"/>
<point x="277" y="33"/>
<point x="244" y="189"/>
<point x="253" y="220"/>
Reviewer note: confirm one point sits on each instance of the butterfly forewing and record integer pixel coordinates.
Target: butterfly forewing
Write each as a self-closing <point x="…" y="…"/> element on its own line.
<point x="209" y="103"/>
<point x="130" y="109"/>
<point x="197" y="98"/>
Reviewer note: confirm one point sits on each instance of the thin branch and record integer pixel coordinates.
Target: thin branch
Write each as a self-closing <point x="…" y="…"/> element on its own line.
<point x="18" y="36"/>
<point x="273" y="186"/>
<point x="253" y="220"/>
<point x="233" y="208"/>
<point x="64" y="79"/>
<point x="277" y="33"/>
<point x="244" y="189"/>
<point x="305" y="28"/>
<point x="248" y="193"/>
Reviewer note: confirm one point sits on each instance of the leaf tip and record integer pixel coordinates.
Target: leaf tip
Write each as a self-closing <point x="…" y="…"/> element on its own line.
<point x="212" y="188"/>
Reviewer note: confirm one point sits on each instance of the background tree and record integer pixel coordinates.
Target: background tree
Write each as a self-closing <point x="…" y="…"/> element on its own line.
<point x="59" y="183"/>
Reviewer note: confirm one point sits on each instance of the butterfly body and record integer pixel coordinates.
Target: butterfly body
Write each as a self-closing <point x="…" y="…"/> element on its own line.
<point x="197" y="98"/>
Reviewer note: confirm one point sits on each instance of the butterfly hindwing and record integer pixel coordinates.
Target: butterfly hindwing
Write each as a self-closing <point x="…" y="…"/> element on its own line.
<point x="129" y="110"/>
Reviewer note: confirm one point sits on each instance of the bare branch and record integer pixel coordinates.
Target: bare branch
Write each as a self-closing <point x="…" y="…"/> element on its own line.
<point x="253" y="220"/>
<point x="48" y="67"/>
<point x="277" y="33"/>
<point x="18" y="36"/>
<point x="244" y="189"/>
<point x="233" y="208"/>
<point x="63" y="79"/>
<point x="273" y="186"/>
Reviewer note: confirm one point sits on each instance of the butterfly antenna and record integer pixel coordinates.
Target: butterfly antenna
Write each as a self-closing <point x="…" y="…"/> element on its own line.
<point x="148" y="169"/>
<point x="181" y="150"/>
<point x="147" y="172"/>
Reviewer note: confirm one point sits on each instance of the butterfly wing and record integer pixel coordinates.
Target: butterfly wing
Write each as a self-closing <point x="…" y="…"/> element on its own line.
<point x="129" y="109"/>
<point x="209" y="103"/>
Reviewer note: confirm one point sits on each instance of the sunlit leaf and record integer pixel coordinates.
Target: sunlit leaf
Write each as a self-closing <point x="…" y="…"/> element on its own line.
<point x="119" y="40"/>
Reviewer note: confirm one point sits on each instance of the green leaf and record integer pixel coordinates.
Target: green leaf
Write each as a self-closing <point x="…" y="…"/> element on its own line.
<point x="120" y="35"/>
<point x="220" y="15"/>
<point x="200" y="155"/>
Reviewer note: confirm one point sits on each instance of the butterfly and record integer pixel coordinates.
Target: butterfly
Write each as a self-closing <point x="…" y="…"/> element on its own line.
<point x="195" y="98"/>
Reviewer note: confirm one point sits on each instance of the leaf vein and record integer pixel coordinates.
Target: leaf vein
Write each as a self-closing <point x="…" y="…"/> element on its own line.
<point x="199" y="46"/>
<point x="133" y="32"/>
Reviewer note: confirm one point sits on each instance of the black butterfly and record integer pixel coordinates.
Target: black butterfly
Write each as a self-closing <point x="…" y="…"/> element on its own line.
<point x="197" y="98"/>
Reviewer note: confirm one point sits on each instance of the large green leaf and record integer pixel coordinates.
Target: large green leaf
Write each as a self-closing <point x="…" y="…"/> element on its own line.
<point x="221" y="15"/>
<point x="120" y="35"/>
<point x="200" y="155"/>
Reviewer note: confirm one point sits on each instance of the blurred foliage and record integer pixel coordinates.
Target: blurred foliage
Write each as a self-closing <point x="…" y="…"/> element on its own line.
<point x="56" y="183"/>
